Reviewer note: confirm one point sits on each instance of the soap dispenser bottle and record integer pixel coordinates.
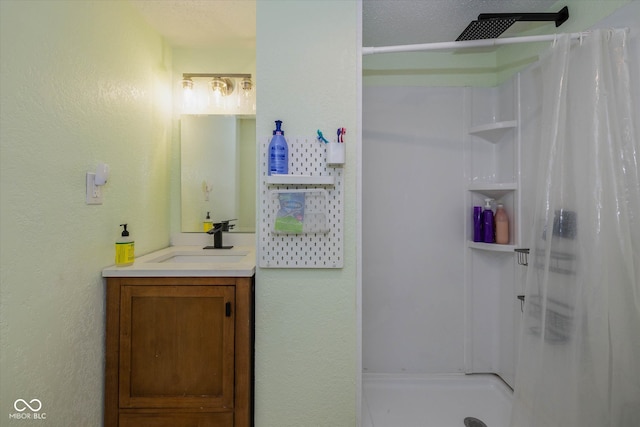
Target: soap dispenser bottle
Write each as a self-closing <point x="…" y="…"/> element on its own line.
<point x="207" y="224"/>
<point x="278" y="152"/>
<point x="487" y="222"/>
<point x="124" y="249"/>
<point x="502" y="225"/>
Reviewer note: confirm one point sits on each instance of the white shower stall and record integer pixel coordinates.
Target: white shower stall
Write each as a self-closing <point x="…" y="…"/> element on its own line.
<point x="436" y="306"/>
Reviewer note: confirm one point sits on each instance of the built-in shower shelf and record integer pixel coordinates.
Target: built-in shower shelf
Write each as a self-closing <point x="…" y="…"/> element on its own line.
<point x="493" y="190"/>
<point x="492" y="247"/>
<point x="493" y="132"/>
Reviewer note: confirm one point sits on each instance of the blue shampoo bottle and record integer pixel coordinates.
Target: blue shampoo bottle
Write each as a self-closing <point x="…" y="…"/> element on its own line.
<point x="487" y="222"/>
<point x="278" y="152"/>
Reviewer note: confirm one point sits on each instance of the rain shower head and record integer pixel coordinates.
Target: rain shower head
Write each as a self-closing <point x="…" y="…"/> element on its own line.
<point x="491" y="25"/>
<point x="486" y="29"/>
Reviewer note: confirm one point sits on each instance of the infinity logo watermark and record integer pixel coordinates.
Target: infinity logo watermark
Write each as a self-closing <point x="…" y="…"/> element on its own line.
<point x="21" y="405"/>
<point x="34" y="405"/>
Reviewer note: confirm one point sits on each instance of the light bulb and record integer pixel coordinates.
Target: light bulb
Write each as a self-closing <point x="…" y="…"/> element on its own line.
<point x="188" y="99"/>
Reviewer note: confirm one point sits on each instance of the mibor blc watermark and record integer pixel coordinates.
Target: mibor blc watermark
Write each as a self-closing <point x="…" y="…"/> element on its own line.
<point x="30" y="410"/>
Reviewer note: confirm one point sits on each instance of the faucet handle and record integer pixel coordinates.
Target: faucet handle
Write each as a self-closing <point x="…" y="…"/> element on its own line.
<point x="225" y="224"/>
<point x="217" y="227"/>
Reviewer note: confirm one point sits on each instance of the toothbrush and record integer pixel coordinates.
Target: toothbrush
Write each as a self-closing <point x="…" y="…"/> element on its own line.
<point x="341" y="132"/>
<point x="321" y="138"/>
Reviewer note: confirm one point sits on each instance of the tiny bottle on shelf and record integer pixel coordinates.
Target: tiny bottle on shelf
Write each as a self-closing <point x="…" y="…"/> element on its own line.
<point x="477" y="224"/>
<point x="487" y="222"/>
<point x="502" y="225"/>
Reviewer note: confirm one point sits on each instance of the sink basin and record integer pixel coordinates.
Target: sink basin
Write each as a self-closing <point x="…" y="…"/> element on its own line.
<point x="204" y="256"/>
<point x="190" y="261"/>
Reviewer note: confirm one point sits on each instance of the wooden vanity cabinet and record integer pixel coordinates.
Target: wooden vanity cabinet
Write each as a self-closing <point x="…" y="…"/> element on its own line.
<point x="179" y="352"/>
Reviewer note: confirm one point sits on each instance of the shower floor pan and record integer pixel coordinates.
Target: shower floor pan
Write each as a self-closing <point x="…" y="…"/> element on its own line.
<point x="391" y="400"/>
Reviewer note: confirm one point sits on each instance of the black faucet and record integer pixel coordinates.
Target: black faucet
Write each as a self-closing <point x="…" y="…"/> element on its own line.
<point x="218" y="228"/>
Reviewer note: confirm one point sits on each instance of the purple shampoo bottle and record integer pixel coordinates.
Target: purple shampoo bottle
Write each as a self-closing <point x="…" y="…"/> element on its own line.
<point x="477" y="224"/>
<point x="487" y="222"/>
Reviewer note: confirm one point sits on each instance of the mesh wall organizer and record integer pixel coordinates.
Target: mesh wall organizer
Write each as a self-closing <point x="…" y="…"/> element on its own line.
<point x="299" y="211"/>
<point x="301" y="214"/>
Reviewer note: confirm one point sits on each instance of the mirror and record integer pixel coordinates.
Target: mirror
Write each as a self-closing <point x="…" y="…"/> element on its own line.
<point x="218" y="171"/>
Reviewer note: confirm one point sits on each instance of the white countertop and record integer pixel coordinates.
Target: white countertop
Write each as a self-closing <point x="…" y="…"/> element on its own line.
<point x="152" y="265"/>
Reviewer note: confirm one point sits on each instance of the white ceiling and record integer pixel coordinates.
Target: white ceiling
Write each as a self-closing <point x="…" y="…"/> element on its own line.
<point x="202" y="23"/>
<point x="232" y="23"/>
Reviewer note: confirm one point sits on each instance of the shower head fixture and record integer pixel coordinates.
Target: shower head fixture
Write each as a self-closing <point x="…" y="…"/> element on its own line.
<point x="486" y="29"/>
<point x="491" y="25"/>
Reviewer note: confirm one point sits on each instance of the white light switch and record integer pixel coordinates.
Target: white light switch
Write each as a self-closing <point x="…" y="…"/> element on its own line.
<point x="94" y="192"/>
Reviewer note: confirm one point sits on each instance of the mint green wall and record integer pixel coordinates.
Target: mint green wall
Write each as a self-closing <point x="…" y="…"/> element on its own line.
<point x="429" y="69"/>
<point x="306" y="319"/>
<point x="478" y="69"/>
<point x="81" y="82"/>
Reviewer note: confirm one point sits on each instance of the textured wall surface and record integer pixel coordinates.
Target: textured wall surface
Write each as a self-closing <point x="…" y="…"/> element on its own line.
<point x="306" y="320"/>
<point x="81" y="82"/>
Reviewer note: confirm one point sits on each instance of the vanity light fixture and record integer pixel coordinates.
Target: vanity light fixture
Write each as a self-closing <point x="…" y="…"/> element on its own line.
<point x="207" y="91"/>
<point x="222" y="83"/>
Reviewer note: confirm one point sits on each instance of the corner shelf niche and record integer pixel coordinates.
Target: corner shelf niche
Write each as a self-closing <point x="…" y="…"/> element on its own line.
<point x="493" y="132"/>
<point x="504" y="193"/>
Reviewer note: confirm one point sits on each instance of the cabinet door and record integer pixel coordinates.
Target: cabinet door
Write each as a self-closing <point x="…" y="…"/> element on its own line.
<point x="177" y="346"/>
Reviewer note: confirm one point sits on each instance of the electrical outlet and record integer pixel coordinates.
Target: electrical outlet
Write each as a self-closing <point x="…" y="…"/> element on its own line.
<point x="94" y="192"/>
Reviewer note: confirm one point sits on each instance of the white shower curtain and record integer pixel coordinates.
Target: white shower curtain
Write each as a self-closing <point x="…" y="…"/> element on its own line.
<point x="579" y="359"/>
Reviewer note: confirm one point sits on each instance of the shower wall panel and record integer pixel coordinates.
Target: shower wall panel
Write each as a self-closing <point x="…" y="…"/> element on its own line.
<point x="413" y="230"/>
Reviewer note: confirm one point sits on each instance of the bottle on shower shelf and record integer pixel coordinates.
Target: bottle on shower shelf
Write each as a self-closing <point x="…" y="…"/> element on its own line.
<point x="477" y="224"/>
<point x="487" y="222"/>
<point x="502" y="225"/>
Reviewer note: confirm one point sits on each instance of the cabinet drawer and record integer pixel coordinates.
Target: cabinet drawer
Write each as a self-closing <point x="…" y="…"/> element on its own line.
<point x="223" y="419"/>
